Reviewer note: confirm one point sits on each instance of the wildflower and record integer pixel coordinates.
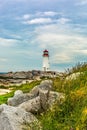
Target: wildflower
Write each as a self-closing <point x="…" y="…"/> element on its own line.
<point x="77" y="128"/>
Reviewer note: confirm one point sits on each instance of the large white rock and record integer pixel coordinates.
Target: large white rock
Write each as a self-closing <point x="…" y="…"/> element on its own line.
<point x="18" y="98"/>
<point x="35" y="91"/>
<point x="18" y="92"/>
<point x="32" y="105"/>
<point x="14" y="118"/>
<point x="74" y="76"/>
<point x="55" y="97"/>
<point x="45" y="85"/>
<point x="39" y="99"/>
<point x="44" y="94"/>
<point x="47" y="82"/>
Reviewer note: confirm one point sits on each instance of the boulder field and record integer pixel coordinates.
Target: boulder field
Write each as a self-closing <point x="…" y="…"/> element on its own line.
<point x="20" y="109"/>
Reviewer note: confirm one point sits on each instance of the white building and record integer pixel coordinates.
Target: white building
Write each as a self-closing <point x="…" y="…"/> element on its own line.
<point x="46" y="60"/>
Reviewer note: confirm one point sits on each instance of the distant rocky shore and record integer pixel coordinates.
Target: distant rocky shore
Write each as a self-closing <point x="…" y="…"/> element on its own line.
<point x="22" y="77"/>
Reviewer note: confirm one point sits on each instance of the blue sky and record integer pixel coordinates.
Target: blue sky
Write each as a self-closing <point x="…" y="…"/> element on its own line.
<point x="27" y="27"/>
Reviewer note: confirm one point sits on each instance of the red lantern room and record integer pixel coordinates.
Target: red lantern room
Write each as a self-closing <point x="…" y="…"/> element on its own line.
<point x="45" y="53"/>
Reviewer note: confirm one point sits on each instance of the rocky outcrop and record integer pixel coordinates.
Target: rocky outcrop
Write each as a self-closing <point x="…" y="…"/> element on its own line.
<point x="21" y="105"/>
<point x="17" y="78"/>
<point x="13" y="118"/>
<point x="55" y="97"/>
<point x="39" y="99"/>
<point x="74" y="76"/>
<point x="44" y="85"/>
<point x="32" y="105"/>
<point x="18" y="98"/>
<point x="44" y="94"/>
<point x="35" y="101"/>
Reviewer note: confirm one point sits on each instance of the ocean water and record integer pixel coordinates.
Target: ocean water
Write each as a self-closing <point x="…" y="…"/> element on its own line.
<point x="3" y="72"/>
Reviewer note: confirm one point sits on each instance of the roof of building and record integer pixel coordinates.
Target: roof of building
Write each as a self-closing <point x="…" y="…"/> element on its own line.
<point x="45" y="50"/>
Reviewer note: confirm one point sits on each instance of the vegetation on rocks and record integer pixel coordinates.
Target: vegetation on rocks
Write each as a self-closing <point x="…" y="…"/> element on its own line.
<point x="72" y="113"/>
<point x="69" y="114"/>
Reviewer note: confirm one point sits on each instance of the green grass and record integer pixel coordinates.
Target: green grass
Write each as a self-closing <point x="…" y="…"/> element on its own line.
<point x="72" y="113"/>
<point x="25" y="88"/>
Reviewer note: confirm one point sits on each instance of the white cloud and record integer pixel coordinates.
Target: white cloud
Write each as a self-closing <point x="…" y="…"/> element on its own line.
<point x="46" y="13"/>
<point x="63" y="20"/>
<point x="38" y="14"/>
<point x="50" y="13"/>
<point x="83" y="51"/>
<point x="63" y="40"/>
<point x="45" y="20"/>
<point x="26" y="16"/>
<point x="61" y="58"/>
<point x="39" y="21"/>
<point x="23" y="17"/>
<point x="3" y="59"/>
<point x="7" y="42"/>
<point x="81" y="2"/>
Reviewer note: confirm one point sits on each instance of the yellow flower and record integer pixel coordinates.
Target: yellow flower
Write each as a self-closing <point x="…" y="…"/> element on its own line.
<point x="80" y="93"/>
<point x="85" y="111"/>
<point x="84" y="114"/>
<point x="77" y="128"/>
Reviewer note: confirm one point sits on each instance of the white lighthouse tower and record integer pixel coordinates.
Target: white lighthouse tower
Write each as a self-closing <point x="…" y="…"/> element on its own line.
<point x="45" y="60"/>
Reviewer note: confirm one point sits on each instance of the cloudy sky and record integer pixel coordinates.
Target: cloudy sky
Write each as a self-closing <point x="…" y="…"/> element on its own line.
<point x="27" y="27"/>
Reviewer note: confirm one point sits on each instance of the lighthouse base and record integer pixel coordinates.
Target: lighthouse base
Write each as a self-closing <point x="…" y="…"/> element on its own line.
<point x="45" y="69"/>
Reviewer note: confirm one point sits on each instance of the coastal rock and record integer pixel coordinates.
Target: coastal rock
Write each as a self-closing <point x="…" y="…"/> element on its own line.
<point x="32" y="105"/>
<point x="22" y="75"/>
<point x="14" y="118"/>
<point x="39" y="99"/>
<point x="46" y="85"/>
<point x="35" y="91"/>
<point x="17" y="114"/>
<point x="18" y="98"/>
<point x="74" y="76"/>
<point x="44" y="94"/>
<point x="50" y="82"/>
<point x="18" y="92"/>
<point x="55" y="97"/>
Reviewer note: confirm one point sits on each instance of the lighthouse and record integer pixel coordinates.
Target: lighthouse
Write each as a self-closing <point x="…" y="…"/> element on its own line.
<point x="45" y="60"/>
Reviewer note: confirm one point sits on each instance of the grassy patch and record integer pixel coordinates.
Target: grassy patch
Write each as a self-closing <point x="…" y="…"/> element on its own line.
<point x="72" y="114"/>
<point x="25" y="88"/>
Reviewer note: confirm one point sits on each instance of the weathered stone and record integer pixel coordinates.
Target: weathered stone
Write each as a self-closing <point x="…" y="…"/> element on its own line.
<point x="35" y="91"/>
<point x="32" y="105"/>
<point x="47" y="82"/>
<point x="55" y="97"/>
<point x="19" y="98"/>
<point x="18" y="92"/>
<point x="46" y="85"/>
<point x="43" y="98"/>
<point x="74" y="76"/>
<point x="13" y="118"/>
<point x="39" y="99"/>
